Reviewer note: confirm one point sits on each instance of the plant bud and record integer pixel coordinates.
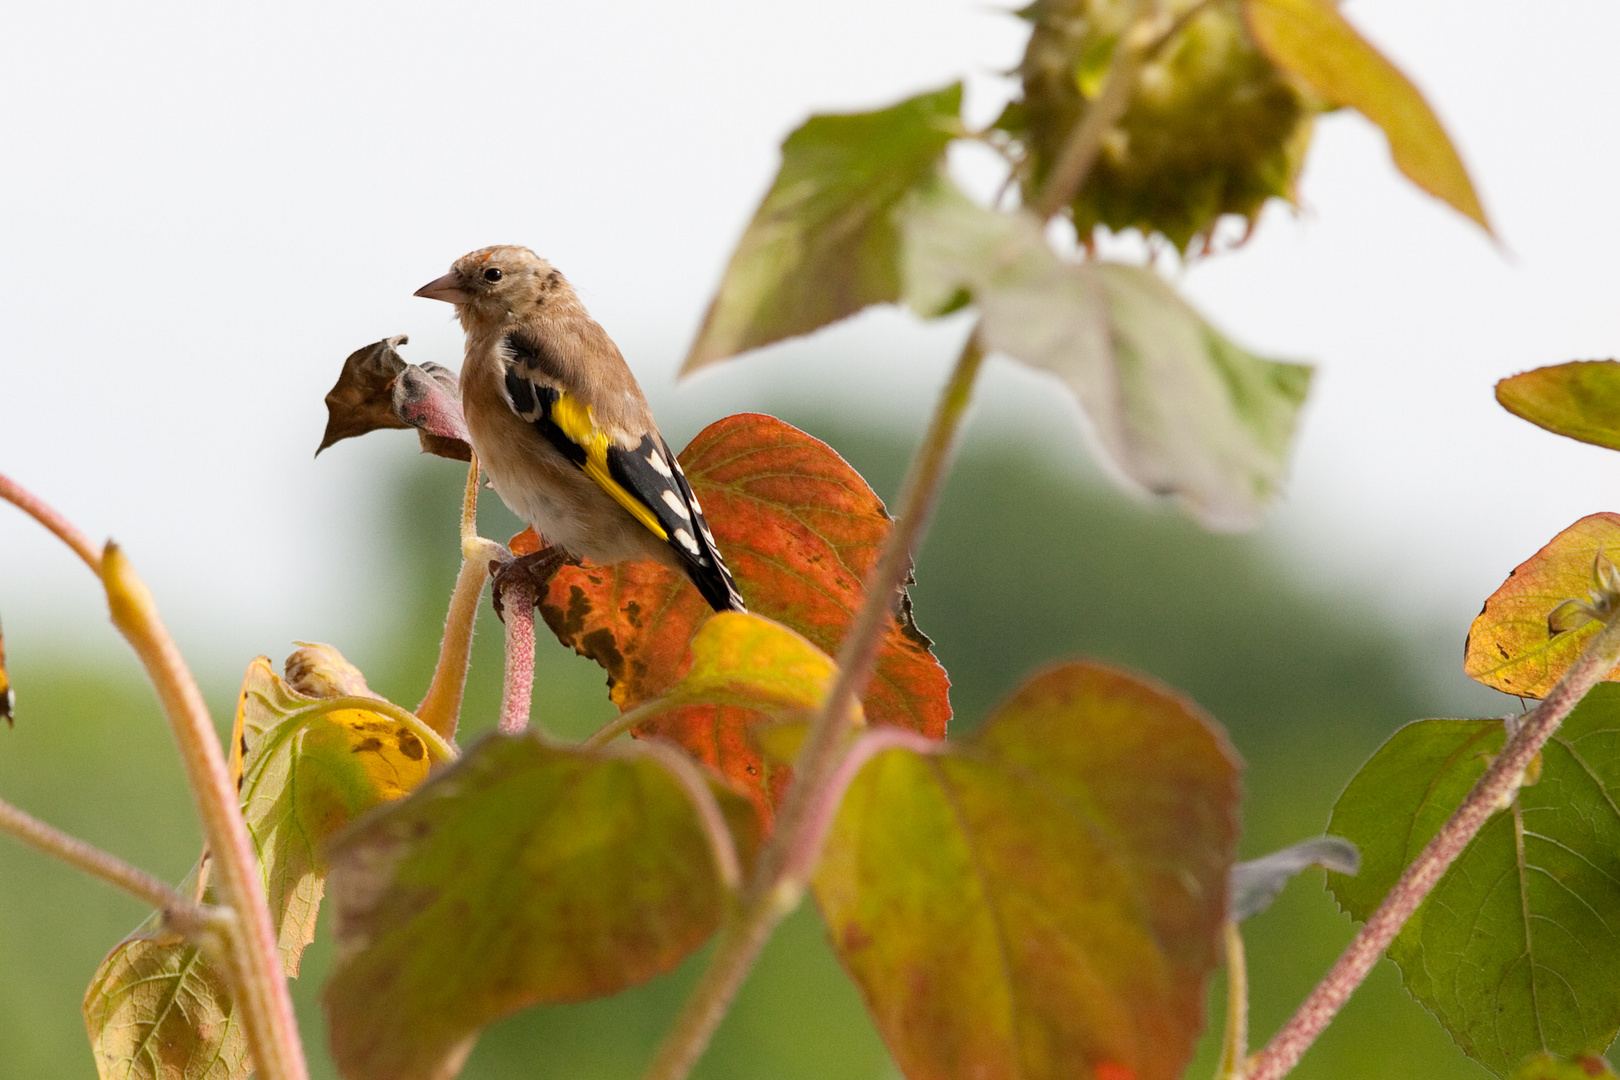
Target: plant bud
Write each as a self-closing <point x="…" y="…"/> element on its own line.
<point x="1212" y="128"/>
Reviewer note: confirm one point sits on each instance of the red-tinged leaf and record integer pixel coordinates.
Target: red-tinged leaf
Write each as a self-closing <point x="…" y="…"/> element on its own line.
<point x="800" y="530"/>
<point x="1509" y="646"/>
<point x="1580" y="400"/>
<point x="1549" y="1067"/>
<point x="1045" y="900"/>
<point x="1310" y="39"/>
<point x="526" y="873"/>
<point x="377" y="389"/>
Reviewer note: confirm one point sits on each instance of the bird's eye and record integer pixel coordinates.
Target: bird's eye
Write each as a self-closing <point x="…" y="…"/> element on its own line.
<point x="493" y="274"/>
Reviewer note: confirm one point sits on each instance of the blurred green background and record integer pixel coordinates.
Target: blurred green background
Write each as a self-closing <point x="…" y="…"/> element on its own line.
<point x="1029" y="561"/>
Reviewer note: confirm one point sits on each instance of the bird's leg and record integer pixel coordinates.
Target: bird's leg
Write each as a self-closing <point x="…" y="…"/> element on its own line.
<point x="536" y="566"/>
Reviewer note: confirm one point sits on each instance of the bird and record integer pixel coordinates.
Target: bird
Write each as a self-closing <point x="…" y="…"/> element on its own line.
<point x="562" y="429"/>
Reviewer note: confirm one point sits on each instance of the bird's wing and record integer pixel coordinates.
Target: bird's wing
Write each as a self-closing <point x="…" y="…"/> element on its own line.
<point x="646" y="480"/>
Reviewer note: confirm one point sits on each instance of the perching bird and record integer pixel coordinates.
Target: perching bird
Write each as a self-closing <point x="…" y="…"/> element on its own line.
<point x="561" y="427"/>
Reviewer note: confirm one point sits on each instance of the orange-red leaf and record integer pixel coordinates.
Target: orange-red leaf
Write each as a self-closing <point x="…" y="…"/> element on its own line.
<point x="1509" y="646"/>
<point x="800" y="530"/>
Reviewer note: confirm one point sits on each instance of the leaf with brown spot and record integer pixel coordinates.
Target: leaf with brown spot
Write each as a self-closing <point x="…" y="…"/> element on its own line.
<point x="800" y="530"/>
<point x="306" y="772"/>
<point x="1509" y="646"/>
<point x="377" y="389"/>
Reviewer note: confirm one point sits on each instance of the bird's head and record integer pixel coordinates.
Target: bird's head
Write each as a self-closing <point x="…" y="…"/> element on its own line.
<point x="494" y="282"/>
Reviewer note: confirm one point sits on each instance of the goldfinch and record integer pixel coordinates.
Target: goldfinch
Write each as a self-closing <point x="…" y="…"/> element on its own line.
<point x="561" y="427"/>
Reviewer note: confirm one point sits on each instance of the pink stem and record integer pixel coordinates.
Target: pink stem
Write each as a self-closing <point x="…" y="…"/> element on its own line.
<point x="518" y="596"/>
<point x="56" y="523"/>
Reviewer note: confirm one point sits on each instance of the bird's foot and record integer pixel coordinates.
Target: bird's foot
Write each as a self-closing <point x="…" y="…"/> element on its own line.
<point x="528" y="573"/>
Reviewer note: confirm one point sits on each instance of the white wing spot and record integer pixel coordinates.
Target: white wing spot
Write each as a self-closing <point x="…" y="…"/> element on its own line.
<point x="656" y="460"/>
<point x="673" y="501"/>
<point x="686" y="540"/>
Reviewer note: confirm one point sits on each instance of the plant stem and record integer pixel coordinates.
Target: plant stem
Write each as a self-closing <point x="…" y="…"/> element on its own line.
<point x="1235" y="1044"/>
<point x="1494" y="790"/>
<point x="258" y="980"/>
<point x="440" y="708"/>
<point x="623" y="723"/>
<point x="782" y="869"/>
<point x="179" y="911"/>
<point x="56" y="523"/>
<point x="518" y="595"/>
<point x="437" y="745"/>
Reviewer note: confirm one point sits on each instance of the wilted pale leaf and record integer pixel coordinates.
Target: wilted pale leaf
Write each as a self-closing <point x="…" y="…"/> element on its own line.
<point x="1515" y="950"/>
<point x="1580" y="399"/>
<point x="1045" y="900"/>
<point x="1178" y="408"/>
<point x="525" y="873"/>
<point x="305" y="774"/>
<point x="800" y="530"/>
<point x="1256" y="883"/>
<point x="1313" y="41"/>
<point x="158" y="1010"/>
<point x="1509" y="645"/>
<point x="823" y="244"/>
<point x="378" y="389"/>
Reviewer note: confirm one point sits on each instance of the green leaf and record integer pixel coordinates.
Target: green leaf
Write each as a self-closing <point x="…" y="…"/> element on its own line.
<point x="1549" y="1067"/>
<point x="1046" y="899"/>
<point x="157" y="1009"/>
<point x="1580" y="399"/>
<point x="1515" y="950"/>
<point x="1178" y="408"/>
<point x="1310" y="39"/>
<point x="526" y="873"/>
<point x="306" y="773"/>
<point x="1256" y="883"/>
<point x="823" y="244"/>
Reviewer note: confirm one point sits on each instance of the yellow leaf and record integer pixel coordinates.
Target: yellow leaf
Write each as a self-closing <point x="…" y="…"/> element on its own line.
<point x="1311" y="40"/>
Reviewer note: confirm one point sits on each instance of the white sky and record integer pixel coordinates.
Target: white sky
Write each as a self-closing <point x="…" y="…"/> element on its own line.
<point x="206" y="207"/>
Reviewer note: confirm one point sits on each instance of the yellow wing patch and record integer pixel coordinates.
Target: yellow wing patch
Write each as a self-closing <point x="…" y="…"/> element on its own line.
<point x="574" y="419"/>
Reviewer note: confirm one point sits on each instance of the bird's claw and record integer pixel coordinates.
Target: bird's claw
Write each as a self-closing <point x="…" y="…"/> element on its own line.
<point x="531" y="572"/>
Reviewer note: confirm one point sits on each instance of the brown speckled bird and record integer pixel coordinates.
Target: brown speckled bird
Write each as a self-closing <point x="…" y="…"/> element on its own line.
<point x="563" y="430"/>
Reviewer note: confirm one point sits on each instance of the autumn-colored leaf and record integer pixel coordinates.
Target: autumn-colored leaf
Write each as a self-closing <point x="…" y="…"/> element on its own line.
<point x="158" y="1010"/>
<point x="741" y="659"/>
<point x="1044" y="900"/>
<point x="800" y="530"/>
<point x="1515" y="949"/>
<point x="1509" y="645"/>
<point x="306" y="772"/>
<point x="1177" y="407"/>
<point x="1310" y="39"/>
<point x="377" y="389"/>
<point x="1580" y="399"/>
<point x="526" y="873"/>
<point x="823" y="244"/>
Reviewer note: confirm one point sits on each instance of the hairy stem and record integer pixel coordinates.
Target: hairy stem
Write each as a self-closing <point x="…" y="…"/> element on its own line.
<point x="441" y="705"/>
<point x="1494" y="790"/>
<point x="179" y="911"/>
<point x="623" y="723"/>
<point x="56" y="523"/>
<point x="518" y="594"/>
<point x="258" y="979"/>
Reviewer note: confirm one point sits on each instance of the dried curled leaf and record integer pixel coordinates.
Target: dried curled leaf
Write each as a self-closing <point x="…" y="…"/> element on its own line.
<point x="1256" y="883"/>
<point x="377" y="389"/>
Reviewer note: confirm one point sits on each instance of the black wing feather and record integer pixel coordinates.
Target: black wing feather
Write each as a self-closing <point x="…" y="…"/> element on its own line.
<point x="689" y="535"/>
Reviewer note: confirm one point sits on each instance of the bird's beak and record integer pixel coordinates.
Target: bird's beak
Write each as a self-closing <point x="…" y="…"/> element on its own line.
<point x="447" y="288"/>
